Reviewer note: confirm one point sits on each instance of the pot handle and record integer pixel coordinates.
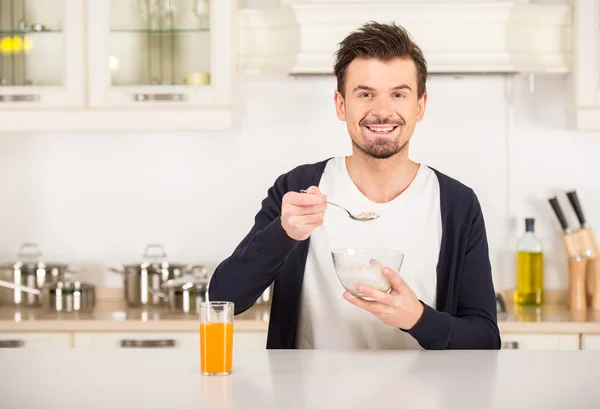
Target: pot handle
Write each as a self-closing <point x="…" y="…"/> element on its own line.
<point x="35" y="254"/>
<point x="158" y="293"/>
<point x="198" y="270"/>
<point x="20" y="288"/>
<point x="114" y="270"/>
<point x="158" y="247"/>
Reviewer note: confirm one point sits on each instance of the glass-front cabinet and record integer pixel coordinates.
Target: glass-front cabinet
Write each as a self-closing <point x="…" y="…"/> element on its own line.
<point x="105" y="65"/>
<point x="41" y="54"/>
<point x="160" y="53"/>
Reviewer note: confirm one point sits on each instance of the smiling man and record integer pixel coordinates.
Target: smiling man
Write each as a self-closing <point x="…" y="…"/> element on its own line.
<point x="443" y="297"/>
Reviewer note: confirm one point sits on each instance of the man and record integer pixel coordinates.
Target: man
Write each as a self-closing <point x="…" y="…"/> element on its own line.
<point x="444" y="296"/>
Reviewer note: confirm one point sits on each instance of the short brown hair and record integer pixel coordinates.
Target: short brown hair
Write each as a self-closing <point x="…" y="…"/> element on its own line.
<point x="384" y="42"/>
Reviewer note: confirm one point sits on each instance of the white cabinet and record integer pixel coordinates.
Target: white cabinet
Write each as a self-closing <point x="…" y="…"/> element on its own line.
<point x="250" y="340"/>
<point x="118" y="65"/>
<point x="35" y="340"/>
<point x="41" y="55"/>
<point x="590" y="342"/>
<point x="564" y="342"/>
<point x="585" y="74"/>
<point x="170" y="64"/>
<point x="183" y="340"/>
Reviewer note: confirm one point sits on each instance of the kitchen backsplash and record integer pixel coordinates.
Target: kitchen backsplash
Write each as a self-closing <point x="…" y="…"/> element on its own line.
<point x="97" y="199"/>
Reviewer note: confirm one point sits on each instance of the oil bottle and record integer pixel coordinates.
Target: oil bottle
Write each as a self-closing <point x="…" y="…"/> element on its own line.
<point x="530" y="267"/>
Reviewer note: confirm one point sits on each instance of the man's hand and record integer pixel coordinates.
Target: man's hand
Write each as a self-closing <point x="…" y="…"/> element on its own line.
<point x="400" y="308"/>
<point x="301" y="213"/>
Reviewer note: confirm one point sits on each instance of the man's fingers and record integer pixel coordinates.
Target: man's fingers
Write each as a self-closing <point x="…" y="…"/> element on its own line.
<point x="398" y="284"/>
<point x="294" y="210"/>
<point x="376" y="295"/>
<point x="307" y="219"/>
<point x="373" y="307"/>
<point x="303" y="199"/>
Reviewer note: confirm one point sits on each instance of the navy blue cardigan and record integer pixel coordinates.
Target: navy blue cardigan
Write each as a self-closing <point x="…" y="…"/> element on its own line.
<point x="465" y="314"/>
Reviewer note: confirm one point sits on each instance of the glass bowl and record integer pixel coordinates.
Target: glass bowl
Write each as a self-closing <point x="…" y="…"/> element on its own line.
<point x="364" y="265"/>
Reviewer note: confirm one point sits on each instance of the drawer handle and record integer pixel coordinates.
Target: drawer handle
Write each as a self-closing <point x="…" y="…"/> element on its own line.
<point x="148" y="343"/>
<point x="19" y="98"/>
<point x="159" y="97"/>
<point x="510" y="345"/>
<point x="12" y="343"/>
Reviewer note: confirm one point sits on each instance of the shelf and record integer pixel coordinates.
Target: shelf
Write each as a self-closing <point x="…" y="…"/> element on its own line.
<point x="160" y="31"/>
<point x="27" y="31"/>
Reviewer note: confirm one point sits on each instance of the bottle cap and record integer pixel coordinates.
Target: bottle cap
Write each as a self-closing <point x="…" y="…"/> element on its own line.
<point x="529" y="224"/>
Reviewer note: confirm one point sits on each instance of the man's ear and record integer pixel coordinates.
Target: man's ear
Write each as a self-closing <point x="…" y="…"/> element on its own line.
<point x="340" y="105"/>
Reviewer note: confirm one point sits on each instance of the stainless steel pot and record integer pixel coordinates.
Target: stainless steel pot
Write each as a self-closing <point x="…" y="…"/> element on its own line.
<point x="185" y="294"/>
<point x="61" y="296"/>
<point x="31" y="271"/>
<point x="143" y="282"/>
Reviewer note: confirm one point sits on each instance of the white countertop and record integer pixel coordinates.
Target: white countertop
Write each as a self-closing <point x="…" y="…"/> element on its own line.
<point x="112" y="315"/>
<point x="126" y="379"/>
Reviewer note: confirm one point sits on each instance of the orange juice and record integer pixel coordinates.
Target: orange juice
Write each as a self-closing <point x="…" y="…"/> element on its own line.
<point x="216" y="342"/>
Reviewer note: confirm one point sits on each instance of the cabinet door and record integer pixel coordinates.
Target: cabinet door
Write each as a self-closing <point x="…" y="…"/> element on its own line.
<point x="41" y="54"/>
<point x="566" y="342"/>
<point x="590" y="342"/>
<point x="161" y="53"/>
<point x="586" y="64"/>
<point x="35" y="340"/>
<point x="154" y="340"/>
<point x="143" y="340"/>
<point x="250" y="340"/>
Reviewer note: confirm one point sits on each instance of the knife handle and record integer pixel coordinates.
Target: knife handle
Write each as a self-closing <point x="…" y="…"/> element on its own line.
<point x="559" y="214"/>
<point x="574" y="200"/>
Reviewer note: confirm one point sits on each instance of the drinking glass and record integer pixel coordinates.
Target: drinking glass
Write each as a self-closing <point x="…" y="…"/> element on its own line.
<point x="216" y="337"/>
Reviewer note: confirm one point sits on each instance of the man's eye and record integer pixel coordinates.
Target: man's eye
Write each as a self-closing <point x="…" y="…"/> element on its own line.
<point x="398" y="95"/>
<point x="365" y="95"/>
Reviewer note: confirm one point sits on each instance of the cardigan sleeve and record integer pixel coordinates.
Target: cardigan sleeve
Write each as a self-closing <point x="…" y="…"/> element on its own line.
<point x="475" y="324"/>
<point x="254" y="264"/>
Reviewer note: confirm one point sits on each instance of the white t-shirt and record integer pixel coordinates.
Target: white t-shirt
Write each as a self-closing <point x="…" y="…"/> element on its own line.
<point x="411" y="223"/>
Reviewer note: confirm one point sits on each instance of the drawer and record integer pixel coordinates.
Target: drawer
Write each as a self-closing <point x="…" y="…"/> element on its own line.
<point x="35" y="340"/>
<point x="143" y="340"/>
<point x="590" y="342"/>
<point x="147" y="340"/>
<point x="564" y="342"/>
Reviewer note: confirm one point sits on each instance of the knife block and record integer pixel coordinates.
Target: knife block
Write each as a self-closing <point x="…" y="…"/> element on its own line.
<point x="584" y="270"/>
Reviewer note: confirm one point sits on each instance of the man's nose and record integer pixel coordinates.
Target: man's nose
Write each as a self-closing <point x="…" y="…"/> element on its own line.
<point x="382" y="108"/>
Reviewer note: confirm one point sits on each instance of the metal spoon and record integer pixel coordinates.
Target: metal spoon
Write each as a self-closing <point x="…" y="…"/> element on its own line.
<point x="361" y="217"/>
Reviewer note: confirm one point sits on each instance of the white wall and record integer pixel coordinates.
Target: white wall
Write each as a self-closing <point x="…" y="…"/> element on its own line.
<point x="98" y="199"/>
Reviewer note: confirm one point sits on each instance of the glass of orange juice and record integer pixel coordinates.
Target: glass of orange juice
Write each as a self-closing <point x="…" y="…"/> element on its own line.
<point x="216" y="337"/>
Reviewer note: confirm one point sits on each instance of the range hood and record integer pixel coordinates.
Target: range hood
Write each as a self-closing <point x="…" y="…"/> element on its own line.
<point x="300" y="37"/>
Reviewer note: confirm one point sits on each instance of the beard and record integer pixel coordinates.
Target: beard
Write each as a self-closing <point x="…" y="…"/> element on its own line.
<point x="382" y="148"/>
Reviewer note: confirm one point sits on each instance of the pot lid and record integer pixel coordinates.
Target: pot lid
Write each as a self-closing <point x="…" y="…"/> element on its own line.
<point x="187" y="281"/>
<point x="29" y="260"/>
<point x="155" y="256"/>
<point x="68" y="283"/>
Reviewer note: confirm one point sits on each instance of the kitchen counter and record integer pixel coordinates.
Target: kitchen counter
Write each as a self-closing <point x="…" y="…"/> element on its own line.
<point x="111" y="315"/>
<point x="125" y="379"/>
<point x="553" y="317"/>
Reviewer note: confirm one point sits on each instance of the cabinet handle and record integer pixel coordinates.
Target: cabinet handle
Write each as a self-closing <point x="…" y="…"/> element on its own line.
<point x="20" y="98"/>
<point x="159" y="97"/>
<point x="510" y="345"/>
<point x="12" y="343"/>
<point x="148" y="343"/>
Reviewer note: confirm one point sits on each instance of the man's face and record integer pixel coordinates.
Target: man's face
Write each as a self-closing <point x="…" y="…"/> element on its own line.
<point x="381" y="105"/>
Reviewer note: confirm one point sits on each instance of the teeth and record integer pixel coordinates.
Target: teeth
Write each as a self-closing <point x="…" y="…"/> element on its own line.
<point x="381" y="130"/>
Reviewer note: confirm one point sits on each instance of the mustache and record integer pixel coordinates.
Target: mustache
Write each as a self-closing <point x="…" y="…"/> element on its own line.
<point x="396" y="122"/>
